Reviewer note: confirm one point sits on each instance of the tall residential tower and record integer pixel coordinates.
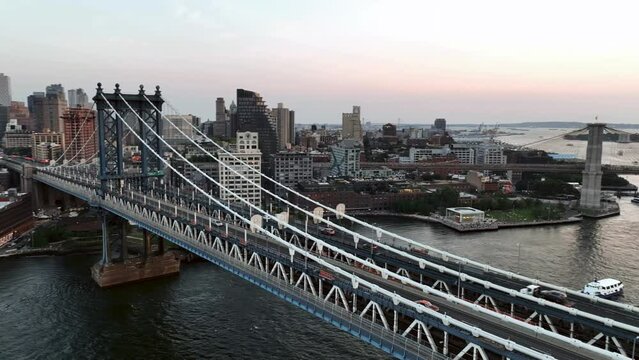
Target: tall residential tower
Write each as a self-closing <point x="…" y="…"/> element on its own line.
<point x="253" y="115"/>
<point x="352" y="125"/>
<point x="5" y="90"/>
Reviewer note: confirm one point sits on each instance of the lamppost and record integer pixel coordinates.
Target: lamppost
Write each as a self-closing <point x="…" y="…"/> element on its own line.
<point x="634" y="345"/>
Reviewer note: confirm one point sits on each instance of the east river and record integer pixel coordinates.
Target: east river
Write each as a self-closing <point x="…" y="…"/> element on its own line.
<point x="50" y="308"/>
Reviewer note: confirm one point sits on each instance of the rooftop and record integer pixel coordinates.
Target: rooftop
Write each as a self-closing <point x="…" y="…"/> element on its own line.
<point x="465" y="210"/>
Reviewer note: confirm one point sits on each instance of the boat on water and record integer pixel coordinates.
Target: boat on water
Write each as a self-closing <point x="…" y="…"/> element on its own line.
<point x="604" y="288"/>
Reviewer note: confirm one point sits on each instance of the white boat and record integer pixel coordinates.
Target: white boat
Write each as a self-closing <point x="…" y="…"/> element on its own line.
<point x="605" y="288"/>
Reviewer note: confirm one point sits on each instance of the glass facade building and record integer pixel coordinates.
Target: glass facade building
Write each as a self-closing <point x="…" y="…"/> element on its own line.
<point x="254" y="115"/>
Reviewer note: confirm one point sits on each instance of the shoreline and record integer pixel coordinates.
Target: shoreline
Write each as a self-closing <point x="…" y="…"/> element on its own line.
<point x="494" y="226"/>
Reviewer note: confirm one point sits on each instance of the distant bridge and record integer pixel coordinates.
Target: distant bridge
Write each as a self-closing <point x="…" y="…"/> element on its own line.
<point x="575" y="168"/>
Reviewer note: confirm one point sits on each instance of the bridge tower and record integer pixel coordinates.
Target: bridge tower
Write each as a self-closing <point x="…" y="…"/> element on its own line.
<point x="590" y="202"/>
<point x="591" y="181"/>
<point x="111" y="134"/>
<point x="114" y="176"/>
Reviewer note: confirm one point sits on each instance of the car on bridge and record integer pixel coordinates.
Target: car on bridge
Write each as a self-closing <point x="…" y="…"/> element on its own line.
<point x="428" y="304"/>
<point x="217" y="223"/>
<point x="327" y="231"/>
<point x="555" y="296"/>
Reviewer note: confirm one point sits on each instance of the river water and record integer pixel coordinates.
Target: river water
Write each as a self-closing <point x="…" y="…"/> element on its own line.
<point x="50" y="307"/>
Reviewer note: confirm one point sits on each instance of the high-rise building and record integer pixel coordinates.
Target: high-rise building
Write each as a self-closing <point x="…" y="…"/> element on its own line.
<point x="247" y="151"/>
<point x="20" y="113"/>
<point x="283" y="121"/>
<point x="77" y="97"/>
<point x="35" y="104"/>
<point x="352" y="125"/>
<point x="5" y="90"/>
<point x="389" y="130"/>
<point x="55" y="104"/>
<point x="345" y="158"/>
<point x="233" y="119"/>
<point x="440" y="125"/>
<point x="4" y="119"/>
<point x="253" y="115"/>
<point x="72" y="98"/>
<point x="183" y="122"/>
<point x="79" y="133"/>
<point x="220" y="110"/>
<point x="222" y="124"/>
<point x="291" y="120"/>
<point x="292" y="167"/>
<point x="56" y="89"/>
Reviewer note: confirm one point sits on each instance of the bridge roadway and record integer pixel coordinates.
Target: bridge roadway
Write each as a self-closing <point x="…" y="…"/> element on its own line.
<point x="548" y="168"/>
<point x="385" y="257"/>
<point x="452" y="309"/>
<point x="169" y="209"/>
<point x="538" y="341"/>
<point x="581" y="303"/>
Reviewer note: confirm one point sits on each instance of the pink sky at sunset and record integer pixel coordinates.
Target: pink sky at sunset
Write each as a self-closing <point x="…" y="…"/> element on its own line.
<point x="494" y="61"/>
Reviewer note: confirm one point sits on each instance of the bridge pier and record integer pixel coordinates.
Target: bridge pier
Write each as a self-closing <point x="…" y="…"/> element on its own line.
<point x="107" y="272"/>
<point x="124" y="249"/>
<point x="590" y="202"/>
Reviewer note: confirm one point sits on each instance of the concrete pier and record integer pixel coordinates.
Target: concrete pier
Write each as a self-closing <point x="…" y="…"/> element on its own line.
<point x="109" y="272"/>
<point x="590" y="203"/>
<point x="134" y="270"/>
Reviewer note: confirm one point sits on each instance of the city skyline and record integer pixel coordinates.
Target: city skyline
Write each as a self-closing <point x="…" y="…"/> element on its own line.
<point x="469" y="63"/>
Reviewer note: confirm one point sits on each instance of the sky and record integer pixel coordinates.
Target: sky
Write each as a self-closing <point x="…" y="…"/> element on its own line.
<point x="407" y="61"/>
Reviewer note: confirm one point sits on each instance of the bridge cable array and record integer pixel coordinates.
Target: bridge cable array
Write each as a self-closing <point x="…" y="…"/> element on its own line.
<point x="403" y="279"/>
<point x="354" y="279"/>
<point x="420" y="261"/>
<point x="445" y="255"/>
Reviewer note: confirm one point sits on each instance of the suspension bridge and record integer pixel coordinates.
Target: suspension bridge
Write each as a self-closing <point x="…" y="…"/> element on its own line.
<point x="408" y="299"/>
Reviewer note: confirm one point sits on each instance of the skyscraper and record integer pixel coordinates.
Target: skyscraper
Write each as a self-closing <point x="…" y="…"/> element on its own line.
<point x="5" y="90"/>
<point x="5" y="102"/>
<point x="282" y="117"/>
<point x="77" y="97"/>
<point x="440" y="124"/>
<point x="352" y="125"/>
<point x="291" y="120"/>
<point x="76" y="127"/>
<point x="222" y="124"/>
<point x="35" y="103"/>
<point x="220" y="109"/>
<point x="55" y="104"/>
<point x="253" y="115"/>
<point x="4" y="119"/>
<point x="56" y="89"/>
<point x="173" y="136"/>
